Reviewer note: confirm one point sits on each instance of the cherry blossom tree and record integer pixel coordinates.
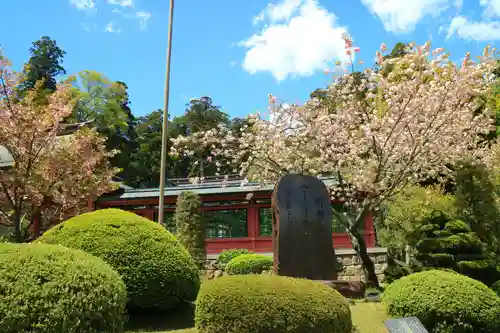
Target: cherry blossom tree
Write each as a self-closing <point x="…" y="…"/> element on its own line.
<point x="45" y="175"/>
<point x="378" y="133"/>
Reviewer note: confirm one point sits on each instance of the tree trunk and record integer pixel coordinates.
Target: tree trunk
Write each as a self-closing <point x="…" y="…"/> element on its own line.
<point x="359" y="245"/>
<point x="18" y="236"/>
<point x="37" y="223"/>
<point x="352" y="224"/>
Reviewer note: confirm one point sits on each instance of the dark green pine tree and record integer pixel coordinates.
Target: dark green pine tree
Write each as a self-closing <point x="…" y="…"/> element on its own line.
<point x="442" y="242"/>
<point x="44" y="64"/>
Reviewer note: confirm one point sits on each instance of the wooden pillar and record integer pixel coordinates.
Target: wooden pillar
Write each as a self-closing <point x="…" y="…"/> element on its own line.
<point x="149" y="214"/>
<point x="253" y="222"/>
<point x="90" y="204"/>
<point x="369" y="231"/>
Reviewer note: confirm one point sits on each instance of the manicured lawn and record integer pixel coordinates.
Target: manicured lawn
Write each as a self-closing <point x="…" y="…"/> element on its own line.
<point x="368" y="318"/>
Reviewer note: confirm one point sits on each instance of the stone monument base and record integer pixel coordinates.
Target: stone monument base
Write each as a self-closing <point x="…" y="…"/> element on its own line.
<point x="348" y="289"/>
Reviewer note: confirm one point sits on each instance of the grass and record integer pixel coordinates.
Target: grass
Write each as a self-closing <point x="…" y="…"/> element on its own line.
<point x="367" y="317"/>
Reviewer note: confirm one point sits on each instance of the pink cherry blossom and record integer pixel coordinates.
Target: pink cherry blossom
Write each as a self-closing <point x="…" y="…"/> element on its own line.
<point x="415" y="121"/>
<point x="50" y="175"/>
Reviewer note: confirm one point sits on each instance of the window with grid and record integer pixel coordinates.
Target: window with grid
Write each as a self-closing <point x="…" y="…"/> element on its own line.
<point x="265" y="222"/>
<point x="226" y="223"/>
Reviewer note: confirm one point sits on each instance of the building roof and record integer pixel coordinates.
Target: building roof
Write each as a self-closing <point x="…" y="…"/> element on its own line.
<point x="210" y="188"/>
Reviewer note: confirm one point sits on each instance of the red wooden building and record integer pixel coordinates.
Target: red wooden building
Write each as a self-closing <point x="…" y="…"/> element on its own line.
<point x="232" y="220"/>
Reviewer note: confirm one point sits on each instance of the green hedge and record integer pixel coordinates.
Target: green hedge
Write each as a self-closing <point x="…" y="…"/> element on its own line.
<point x="249" y="264"/>
<point x="227" y="255"/>
<point x="444" y="301"/>
<point x="158" y="272"/>
<point x="266" y="303"/>
<point x="49" y="288"/>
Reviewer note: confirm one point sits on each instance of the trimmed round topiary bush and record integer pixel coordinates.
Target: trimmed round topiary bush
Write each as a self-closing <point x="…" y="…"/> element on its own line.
<point x="266" y="303"/>
<point x="49" y="288"/>
<point x="444" y="301"/>
<point x="227" y="255"/>
<point x="158" y="272"/>
<point x="249" y="264"/>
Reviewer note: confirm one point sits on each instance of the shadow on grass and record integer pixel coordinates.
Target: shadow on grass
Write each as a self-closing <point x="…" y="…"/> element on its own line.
<point x="180" y="318"/>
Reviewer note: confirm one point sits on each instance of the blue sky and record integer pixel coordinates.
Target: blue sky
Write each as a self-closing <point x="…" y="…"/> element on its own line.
<point x="237" y="52"/>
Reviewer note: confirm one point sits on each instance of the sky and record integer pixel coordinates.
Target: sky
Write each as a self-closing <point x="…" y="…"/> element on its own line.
<point x="236" y="52"/>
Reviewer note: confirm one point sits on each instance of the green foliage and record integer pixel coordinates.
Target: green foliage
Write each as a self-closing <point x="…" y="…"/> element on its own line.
<point x="444" y="302"/>
<point x="251" y="263"/>
<point x="190" y="226"/>
<point x="266" y="303"/>
<point x="476" y="203"/>
<point x="48" y="288"/>
<point x="406" y="211"/>
<point x="496" y="287"/>
<point x="98" y="99"/>
<point x="158" y="272"/>
<point x="201" y="114"/>
<point x="395" y="270"/>
<point x="106" y="104"/>
<point x="445" y="243"/>
<point x="227" y="255"/>
<point x="44" y="65"/>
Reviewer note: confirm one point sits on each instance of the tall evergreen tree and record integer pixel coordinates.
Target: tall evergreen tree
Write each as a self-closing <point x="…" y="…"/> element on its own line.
<point x="44" y="64"/>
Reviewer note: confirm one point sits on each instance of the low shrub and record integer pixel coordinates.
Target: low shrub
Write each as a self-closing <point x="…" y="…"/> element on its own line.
<point x="249" y="264"/>
<point x="444" y="301"/>
<point x="49" y="288"/>
<point x="265" y="303"/>
<point x="158" y="272"/>
<point x="226" y="255"/>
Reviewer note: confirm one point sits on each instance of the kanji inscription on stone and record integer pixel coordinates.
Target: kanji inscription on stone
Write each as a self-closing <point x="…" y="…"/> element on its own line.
<point x="302" y="228"/>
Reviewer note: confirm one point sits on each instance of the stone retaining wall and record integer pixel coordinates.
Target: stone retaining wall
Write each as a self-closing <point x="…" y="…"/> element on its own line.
<point x="351" y="264"/>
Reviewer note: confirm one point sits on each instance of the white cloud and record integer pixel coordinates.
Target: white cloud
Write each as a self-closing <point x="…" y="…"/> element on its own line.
<point x="492" y="8"/>
<point x="143" y="19"/>
<point x="83" y="4"/>
<point x="110" y="28"/>
<point x="300" y="38"/>
<point x="400" y="16"/>
<point x="121" y="3"/>
<point x="281" y="12"/>
<point x="479" y="31"/>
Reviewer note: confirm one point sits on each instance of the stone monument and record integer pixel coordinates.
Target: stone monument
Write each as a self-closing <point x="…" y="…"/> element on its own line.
<point x="302" y="229"/>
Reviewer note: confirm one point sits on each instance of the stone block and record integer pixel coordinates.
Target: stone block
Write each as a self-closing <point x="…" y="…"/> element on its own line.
<point x="350" y="289"/>
<point x="347" y="261"/>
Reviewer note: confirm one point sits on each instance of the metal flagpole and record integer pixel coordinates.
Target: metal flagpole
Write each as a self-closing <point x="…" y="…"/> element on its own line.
<point x="164" y="137"/>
